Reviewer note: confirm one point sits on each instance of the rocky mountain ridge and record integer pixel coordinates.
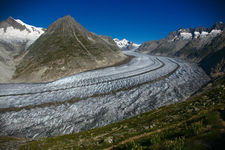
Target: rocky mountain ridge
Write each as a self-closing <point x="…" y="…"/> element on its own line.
<point x="192" y="44"/>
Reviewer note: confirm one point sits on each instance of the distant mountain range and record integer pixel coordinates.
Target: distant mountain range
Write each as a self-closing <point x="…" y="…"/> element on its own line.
<point x="15" y="38"/>
<point x="200" y="45"/>
<point x="31" y="54"/>
<point x="124" y="44"/>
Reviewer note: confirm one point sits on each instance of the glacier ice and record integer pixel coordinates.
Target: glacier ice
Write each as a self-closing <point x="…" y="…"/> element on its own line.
<point x="108" y="95"/>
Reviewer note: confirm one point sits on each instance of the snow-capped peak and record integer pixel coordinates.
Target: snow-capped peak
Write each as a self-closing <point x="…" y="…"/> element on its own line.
<point x="24" y="34"/>
<point x="124" y="44"/>
<point x="121" y="43"/>
<point x="30" y="27"/>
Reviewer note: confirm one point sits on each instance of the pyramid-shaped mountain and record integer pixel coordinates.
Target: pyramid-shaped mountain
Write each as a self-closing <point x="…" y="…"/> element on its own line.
<point x="64" y="49"/>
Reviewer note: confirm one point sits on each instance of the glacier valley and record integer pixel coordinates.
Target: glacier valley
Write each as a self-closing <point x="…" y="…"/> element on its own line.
<point x="96" y="98"/>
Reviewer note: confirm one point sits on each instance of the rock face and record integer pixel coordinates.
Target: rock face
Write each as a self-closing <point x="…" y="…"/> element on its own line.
<point x="108" y="40"/>
<point x="192" y="44"/>
<point x="214" y="62"/>
<point x="125" y="44"/>
<point x="64" y="49"/>
<point x="15" y="38"/>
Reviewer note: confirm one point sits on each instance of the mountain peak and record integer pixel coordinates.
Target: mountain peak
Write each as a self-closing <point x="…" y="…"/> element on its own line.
<point x="124" y="44"/>
<point x="219" y="26"/>
<point x="10" y="22"/>
<point x="10" y="18"/>
<point x="67" y="17"/>
<point x="66" y="25"/>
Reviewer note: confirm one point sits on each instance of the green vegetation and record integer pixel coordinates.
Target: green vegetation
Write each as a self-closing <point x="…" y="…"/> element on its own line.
<point x="197" y="123"/>
<point x="7" y="142"/>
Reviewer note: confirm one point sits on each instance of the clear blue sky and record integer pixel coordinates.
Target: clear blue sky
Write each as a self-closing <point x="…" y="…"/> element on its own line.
<point x="136" y="20"/>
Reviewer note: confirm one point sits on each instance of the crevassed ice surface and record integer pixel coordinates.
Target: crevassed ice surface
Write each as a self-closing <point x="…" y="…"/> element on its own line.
<point x="141" y="69"/>
<point x="172" y="80"/>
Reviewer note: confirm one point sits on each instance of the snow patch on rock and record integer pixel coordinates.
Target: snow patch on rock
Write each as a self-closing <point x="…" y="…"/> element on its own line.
<point x="215" y="32"/>
<point x="204" y="34"/>
<point x="197" y="34"/>
<point x="186" y="35"/>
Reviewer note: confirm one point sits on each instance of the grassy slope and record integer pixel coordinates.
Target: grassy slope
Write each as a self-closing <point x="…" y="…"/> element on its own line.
<point x="194" y="124"/>
<point x="57" y="51"/>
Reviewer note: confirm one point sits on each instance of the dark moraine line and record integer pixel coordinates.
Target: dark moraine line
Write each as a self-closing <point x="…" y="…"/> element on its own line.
<point x="47" y="91"/>
<point x="73" y="100"/>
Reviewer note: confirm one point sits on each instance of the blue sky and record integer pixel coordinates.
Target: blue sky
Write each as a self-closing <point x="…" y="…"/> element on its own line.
<point x="136" y="20"/>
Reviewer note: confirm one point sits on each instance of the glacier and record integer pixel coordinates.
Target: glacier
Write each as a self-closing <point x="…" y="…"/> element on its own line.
<point x="103" y="96"/>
